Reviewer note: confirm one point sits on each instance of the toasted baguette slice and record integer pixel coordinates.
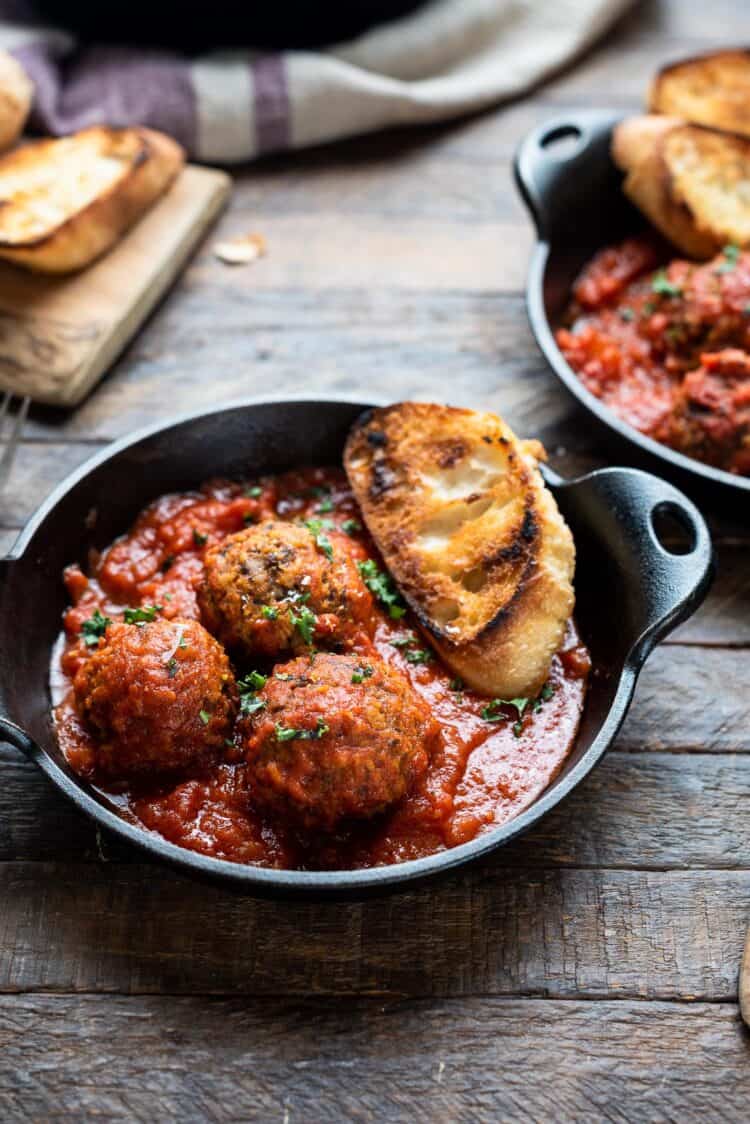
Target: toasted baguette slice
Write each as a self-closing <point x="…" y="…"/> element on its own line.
<point x="473" y="539"/>
<point x="65" y="202"/>
<point x="693" y="183"/>
<point x="16" y="93"/>
<point x="712" y="89"/>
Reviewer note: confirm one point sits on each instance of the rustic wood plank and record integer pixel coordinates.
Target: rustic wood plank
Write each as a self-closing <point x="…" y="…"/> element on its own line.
<point x="116" y="1058"/>
<point x="491" y="930"/>
<point x="691" y="699"/>
<point x="724" y="618"/>
<point x="650" y="810"/>
<point x="243" y="342"/>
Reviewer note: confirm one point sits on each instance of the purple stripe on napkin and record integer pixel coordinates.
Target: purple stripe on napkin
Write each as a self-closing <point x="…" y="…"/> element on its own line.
<point x="272" y="131"/>
<point x="111" y="85"/>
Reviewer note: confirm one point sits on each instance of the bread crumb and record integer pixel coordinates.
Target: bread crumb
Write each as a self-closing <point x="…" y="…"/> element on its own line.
<point x="242" y="250"/>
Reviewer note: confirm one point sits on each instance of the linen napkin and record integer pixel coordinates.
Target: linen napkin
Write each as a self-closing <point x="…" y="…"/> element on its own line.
<point x="448" y="58"/>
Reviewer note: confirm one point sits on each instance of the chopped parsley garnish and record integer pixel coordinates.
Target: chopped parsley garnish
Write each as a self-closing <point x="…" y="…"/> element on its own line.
<point x="249" y="702"/>
<point x="182" y="643"/>
<point x="317" y="528"/>
<point x="172" y="667"/>
<point x="361" y="673"/>
<point x="325" y="506"/>
<point x="731" y="257"/>
<point x="412" y="654"/>
<point x="290" y="733"/>
<point x="661" y="284"/>
<point x="269" y="613"/>
<point x="494" y="712"/>
<point x="381" y="586"/>
<point x="351" y="526"/>
<point x="198" y="538"/>
<point x="304" y="622"/>
<point x="544" y="696"/>
<point x="142" y="615"/>
<point x="254" y="492"/>
<point x="317" y="492"/>
<point x="94" y="628"/>
<point x="168" y="563"/>
<point x="253" y="681"/>
<point x="205" y="717"/>
<point x="456" y="684"/>
<point x="627" y="314"/>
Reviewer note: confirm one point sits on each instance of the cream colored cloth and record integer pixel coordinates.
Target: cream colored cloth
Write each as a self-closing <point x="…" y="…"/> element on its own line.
<point x="447" y="58"/>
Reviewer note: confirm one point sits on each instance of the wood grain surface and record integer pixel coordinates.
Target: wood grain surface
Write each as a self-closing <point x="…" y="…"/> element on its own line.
<point x="587" y="972"/>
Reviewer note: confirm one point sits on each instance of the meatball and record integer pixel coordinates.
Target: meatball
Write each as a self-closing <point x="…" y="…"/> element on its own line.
<point x="157" y="696"/>
<point x="281" y="588"/>
<point x="337" y="737"/>
<point x="711" y="413"/>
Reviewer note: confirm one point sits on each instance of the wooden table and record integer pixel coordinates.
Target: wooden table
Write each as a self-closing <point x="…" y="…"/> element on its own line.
<point x="586" y="972"/>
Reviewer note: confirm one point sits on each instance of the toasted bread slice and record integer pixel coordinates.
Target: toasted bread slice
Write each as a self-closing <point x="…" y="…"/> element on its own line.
<point x="475" y="542"/>
<point x="16" y="93"/>
<point x="65" y="202"/>
<point x="693" y="183"/>
<point x="712" y="89"/>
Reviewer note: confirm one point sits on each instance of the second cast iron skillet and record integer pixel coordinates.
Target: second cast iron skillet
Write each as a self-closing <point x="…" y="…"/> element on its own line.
<point x="631" y="592"/>
<point x="574" y="193"/>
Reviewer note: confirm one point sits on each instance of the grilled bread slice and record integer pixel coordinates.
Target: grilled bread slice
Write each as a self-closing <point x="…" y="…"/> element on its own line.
<point x="473" y="539"/>
<point x="65" y="202"/>
<point x="693" y="183"/>
<point x="712" y="89"/>
<point x="16" y="92"/>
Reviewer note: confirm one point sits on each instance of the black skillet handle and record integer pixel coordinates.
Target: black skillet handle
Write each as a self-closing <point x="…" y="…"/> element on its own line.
<point x="9" y="731"/>
<point x="15" y="736"/>
<point x="565" y="174"/>
<point x="619" y="508"/>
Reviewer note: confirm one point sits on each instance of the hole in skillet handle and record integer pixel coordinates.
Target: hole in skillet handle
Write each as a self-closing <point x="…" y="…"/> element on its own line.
<point x="562" y="141"/>
<point x="674" y="532"/>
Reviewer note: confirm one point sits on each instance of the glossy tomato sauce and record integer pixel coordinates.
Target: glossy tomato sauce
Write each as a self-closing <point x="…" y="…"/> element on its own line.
<point x="492" y="760"/>
<point x="666" y="345"/>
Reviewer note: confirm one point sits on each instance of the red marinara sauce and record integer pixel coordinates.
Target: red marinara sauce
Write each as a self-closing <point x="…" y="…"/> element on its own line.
<point x="668" y="348"/>
<point x="489" y="764"/>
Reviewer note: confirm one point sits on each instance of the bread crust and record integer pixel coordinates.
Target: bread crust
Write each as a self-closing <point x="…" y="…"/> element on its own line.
<point x="709" y="89"/>
<point x="16" y="94"/>
<point x="475" y="542"/>
<point x="677" y="174"/>
<point x="149" y="160"/>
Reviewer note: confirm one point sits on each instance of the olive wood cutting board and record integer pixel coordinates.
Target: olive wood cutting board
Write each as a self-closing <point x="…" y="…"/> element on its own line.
<point x="58" y="335"/>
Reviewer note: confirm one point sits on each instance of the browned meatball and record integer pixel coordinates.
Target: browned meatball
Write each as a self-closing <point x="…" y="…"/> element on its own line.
<point x="278" y="588"/>
<point x="710" y="417"/>
<point x="157" y="697"/>
<point x="337" y="737"/>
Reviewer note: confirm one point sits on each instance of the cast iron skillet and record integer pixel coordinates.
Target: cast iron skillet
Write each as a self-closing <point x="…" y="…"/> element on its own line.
<point x="573" y="190"/>
<point x="631" y="593"/>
